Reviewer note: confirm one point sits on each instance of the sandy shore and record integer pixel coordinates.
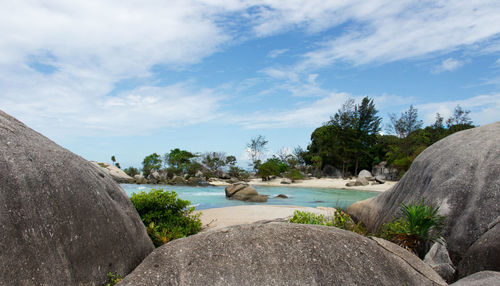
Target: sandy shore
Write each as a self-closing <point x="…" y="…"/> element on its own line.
<point x="227" y="216"/>
<point x="316" y="183"/>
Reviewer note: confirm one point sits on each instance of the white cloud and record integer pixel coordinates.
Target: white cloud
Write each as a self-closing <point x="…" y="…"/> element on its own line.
<point x="386" y="31"/>
<point x="276" y="53"/>
<point x="484" y="108"/>
<point x="310" y="115"/>
<point x="449" y="64"/>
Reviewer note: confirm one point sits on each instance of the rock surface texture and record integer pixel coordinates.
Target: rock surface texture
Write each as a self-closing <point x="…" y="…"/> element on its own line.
<point x="116" y="173"/>
<point x="460" y="175"/>
<point x="244" y="192"/>
<point x="483" y="278"/>
<point x="62" y="220"/>
<point x="280" y="254"/>
<point x="439" y="259"/>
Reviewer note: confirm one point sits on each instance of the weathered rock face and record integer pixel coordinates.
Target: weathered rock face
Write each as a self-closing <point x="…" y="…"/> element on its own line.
<point x="244" y="192"/>
<point x="365" y="174"/>
<point x="62" y="221"/>
<point x="281" y="254"/>
<point x="483" y="278"/>
<point x="381" y="169"/>
<point x="116" y="173"/>
<point x="286" y="181"/>
<point x="439" y="259"/>
<point x="460" y="175"/>
<point x="484" y="254"/>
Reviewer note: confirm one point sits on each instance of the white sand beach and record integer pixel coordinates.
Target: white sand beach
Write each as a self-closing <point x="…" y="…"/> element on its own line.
<point x="221" y="217"/>
<point x="316" y="183"/>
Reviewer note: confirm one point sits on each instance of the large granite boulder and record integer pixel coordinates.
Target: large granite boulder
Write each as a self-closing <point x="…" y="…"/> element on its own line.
<point x="460" y="174"/>
<point x="483" y="278"/>
<point x="244" y="192"/>
<point x="365" y="174"/>
<point x="116" y="173"/>
<point x="483" y="254"/>
<point x="281" y="254"/>
<point x="62" y="220"/>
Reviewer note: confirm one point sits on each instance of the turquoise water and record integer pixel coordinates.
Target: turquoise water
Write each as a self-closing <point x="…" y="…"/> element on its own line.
<point x="214" y="197"/>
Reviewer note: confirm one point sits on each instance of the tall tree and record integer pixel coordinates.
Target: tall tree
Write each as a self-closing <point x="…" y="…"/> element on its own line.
<point x="366" y="127"/>
<point x="151" y="163"/>
<point x="406" y="123"/>
<point x="255" y="149"/>
<point x="460" y="117"/>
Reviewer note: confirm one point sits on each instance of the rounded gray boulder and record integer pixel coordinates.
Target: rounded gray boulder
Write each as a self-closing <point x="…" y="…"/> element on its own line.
<point x="460" y="174"/>
<point x="63" y="221"/>
<point x="281" y="254"/>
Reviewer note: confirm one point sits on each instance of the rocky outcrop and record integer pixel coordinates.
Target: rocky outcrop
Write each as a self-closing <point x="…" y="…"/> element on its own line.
<point x="382" y="169"/>
<point x="365" y="174"/>
<point x="116" y="173"/>
<point x="460" y="175"/>
<point x="244" y="192"/>
<point x="62" y="220"/>
<point x="286" y="181"/>
<point x="281" y="254"/>
<point x="483" y="254"/>
<point x="281" y="196"/>
<point x="439" y="259"/>
<point x="483" y="278"/>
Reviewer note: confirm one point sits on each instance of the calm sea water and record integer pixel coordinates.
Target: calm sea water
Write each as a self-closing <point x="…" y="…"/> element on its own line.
<point x="214" y="197"/>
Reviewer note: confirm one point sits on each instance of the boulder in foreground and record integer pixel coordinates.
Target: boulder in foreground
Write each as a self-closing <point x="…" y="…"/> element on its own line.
<point x="460" y="175"/>
<point x="281" y="254"/>
<point x="62" y="220"/>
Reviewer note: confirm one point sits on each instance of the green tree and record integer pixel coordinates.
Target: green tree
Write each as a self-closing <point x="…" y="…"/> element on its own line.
<point x="230" y="160"/>
<point x="406" y="123"/>
<point x="214" y="161"/>
<point x="255" y="149"/>
<point x="151" y="163"/>
<point x="179" y="160"/>
<point x="460" y="117"/>
<point x="269" y="168"/>
<point x="131" y="171"/>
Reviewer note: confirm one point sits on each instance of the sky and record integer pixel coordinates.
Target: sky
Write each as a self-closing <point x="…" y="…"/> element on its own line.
<point x="129" y="78"/>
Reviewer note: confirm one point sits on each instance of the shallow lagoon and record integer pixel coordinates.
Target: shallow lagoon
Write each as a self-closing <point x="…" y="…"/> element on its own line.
<point x="214" y="196"/>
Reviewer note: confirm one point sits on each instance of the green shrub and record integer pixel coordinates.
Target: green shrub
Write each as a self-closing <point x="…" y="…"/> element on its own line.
<point x="131" y="171"/>
<point x="340" y="219"/>
<point x="309" y="218"/>
<point x="165" y="216"/>
<point x="270" y="168"/>
<point x="294" y="174"/>
<point x="113" y="279"/>
<point x="239" y="173"/>
<point x="416" y="229"/>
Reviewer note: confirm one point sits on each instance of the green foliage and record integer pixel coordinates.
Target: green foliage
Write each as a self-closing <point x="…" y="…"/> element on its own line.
<point x="131" y="171"/>
<point x="179" y="160"/>
<point x="309" y="218"/>
<point x="340" y="219"/>
<point x="239" y="173"/>
<point x="294" y="174"/>
<point x="256" y="148"/>
<point x="214" y="161"/>
<point x="113" y="279"/>
<point x="165" y="216"/>
<point x="418" y="226"/>
<point x="150" y="163"/>
<point x="270" y="168"/>
<point x="231" y="160"/>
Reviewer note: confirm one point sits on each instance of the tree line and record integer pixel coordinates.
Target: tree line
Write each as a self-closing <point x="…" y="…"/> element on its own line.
<point x="351" y="140"/>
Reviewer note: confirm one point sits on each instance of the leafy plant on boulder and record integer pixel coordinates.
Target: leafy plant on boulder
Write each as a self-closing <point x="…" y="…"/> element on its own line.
<point x="416" y="229"/>
<point x="165" y="216"/>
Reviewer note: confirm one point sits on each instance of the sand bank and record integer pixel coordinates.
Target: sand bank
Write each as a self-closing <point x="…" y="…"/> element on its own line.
<point x="316" y="183"/>
<point x="227" y="216"/>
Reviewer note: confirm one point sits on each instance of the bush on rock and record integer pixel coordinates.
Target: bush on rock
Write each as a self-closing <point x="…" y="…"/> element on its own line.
<point x="165" y="216"/>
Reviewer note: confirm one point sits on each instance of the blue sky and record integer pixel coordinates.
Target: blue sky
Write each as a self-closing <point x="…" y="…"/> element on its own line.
<point x="129" y="78"/>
